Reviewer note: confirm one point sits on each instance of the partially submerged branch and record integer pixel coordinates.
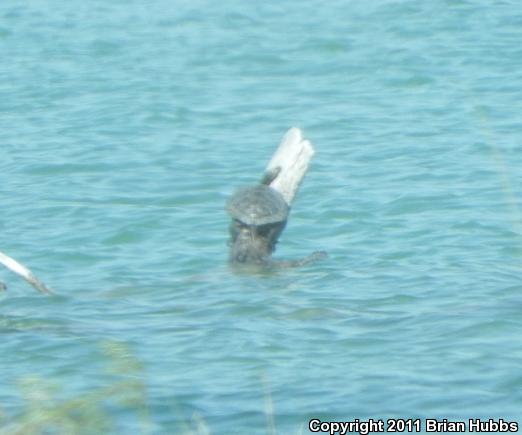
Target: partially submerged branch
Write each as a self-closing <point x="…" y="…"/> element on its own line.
<point x="24" y="272"/>
<point x="293" y="158"/>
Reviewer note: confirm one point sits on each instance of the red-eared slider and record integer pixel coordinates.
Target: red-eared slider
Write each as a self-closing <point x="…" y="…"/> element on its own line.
<point x="258" y="205"/>
<point x="259" y="217"/>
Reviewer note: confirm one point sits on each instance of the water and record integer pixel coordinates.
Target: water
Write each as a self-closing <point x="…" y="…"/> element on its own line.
<point x="124" y="127"/>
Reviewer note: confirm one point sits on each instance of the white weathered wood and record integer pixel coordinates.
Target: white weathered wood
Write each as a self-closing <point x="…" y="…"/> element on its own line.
<point x="24" y="272"/>
<point x="293" y="156"/>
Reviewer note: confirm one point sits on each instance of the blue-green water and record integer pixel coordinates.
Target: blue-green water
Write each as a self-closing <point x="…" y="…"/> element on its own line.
<point x="124" y="127"/>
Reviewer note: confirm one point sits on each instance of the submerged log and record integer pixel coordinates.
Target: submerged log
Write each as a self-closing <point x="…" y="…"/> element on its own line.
<point x="23" y="272"/>
<point x="290" y="162"/>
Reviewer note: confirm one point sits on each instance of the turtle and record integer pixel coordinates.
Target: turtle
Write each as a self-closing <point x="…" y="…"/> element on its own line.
<point x="259" y="216"/>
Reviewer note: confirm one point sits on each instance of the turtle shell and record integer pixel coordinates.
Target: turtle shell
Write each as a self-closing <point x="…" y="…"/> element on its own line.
<point x="258" y="205"/>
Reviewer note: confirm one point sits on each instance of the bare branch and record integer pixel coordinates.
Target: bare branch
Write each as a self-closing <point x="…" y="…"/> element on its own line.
<point x="293" y="158"/>
<point x="24" y="272"/>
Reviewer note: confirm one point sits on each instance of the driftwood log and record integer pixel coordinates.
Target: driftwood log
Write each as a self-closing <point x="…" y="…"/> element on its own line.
<point x="292" y="157"/>
<point x="23" y="272"/>
<point x="290" y="162"/>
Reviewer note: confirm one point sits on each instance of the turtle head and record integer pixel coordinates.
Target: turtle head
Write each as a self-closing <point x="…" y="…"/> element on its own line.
<point x="270" y="175"/>
<point x="253" y="243"/>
